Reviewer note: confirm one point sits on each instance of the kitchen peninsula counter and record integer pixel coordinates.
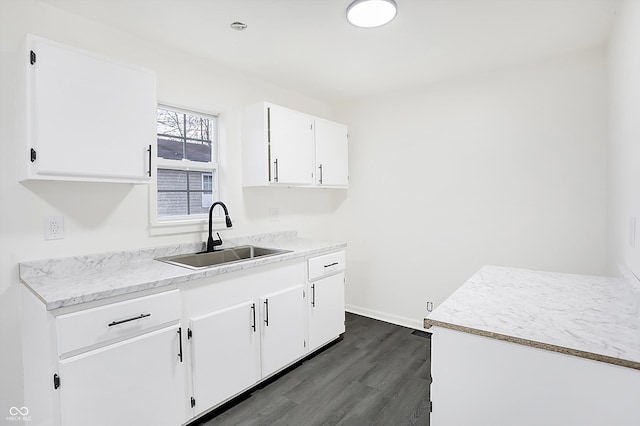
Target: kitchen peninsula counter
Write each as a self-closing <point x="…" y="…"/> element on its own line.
<point x="529" y="348"/>
<point x="587" y="316"/>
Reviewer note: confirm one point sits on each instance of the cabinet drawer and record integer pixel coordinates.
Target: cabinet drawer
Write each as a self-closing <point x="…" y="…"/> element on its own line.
<point x="116" y="321"/>
<point x="326" y="265"/>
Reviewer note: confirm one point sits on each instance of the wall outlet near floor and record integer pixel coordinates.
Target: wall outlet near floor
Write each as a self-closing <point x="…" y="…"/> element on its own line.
<point x="429" y="306"/>
<point x="54" y="228"/>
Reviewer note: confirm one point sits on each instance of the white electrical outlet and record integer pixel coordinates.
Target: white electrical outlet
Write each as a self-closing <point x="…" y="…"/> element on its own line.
<point x="429" y="306"/>
<point x="54" y="228"/>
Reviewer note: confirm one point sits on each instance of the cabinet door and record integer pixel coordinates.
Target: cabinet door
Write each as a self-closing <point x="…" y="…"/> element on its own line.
<point x="224" y="354"/>
<point x="326" y="310"/>
<point x="332" y="157"/>
<point x="283" y="328"/>
<point x="89" y="118"/>
<point x="138" y="381"/>
<point x="290" y="146"/>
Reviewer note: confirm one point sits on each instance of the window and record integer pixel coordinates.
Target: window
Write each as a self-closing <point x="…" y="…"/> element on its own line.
<point x="186" y="165"/>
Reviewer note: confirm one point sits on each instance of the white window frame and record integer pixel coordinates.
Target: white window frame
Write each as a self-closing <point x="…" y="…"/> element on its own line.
<point x="185" y="223"/>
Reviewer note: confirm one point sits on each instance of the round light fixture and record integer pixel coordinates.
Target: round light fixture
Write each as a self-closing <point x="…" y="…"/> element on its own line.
<point x="371" y="13"/>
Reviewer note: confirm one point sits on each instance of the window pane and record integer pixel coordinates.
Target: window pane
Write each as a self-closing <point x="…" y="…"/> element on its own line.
<point x="170" y="123"/>
<point x="170" y="148"/>
<point x="200" y="203"/>
<point x="172" y="203"/>
<point x="176" y="188"/>
<point x="197" y="128"/>
<point x="172" y="180"/>
<point x="185" y="136"/>
<point x="198" y="151"/>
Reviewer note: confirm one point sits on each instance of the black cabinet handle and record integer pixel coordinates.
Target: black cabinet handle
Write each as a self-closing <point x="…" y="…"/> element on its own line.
<point x="275" y="171"/>
<point x="180" y="340"/>
<point x="313" y="295"/>
<point x="149" y="151"/>
<point x="111" y="324"/>
<point x="331" y="264"/>
<point x="253" y="312"/>
<point x="266" y="312"/>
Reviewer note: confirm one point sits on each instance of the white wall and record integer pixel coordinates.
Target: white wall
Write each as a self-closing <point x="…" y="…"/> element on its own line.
<point x="624" y="147"/>
<point x="505" y="168"/>
<point x="108" y="217"/>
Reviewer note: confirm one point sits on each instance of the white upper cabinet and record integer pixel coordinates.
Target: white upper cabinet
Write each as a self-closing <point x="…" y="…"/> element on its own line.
<point x="332" y="156"/>
<point x="289" y="148"/>
<point x="84" y="117"/>
<point x="290" y="142"/>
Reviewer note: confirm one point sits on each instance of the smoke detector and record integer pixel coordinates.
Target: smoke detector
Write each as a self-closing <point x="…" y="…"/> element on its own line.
<point x="238" y="26"/>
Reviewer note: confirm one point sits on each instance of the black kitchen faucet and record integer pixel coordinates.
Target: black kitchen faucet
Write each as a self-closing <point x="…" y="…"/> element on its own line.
<point x="211" y="244"/>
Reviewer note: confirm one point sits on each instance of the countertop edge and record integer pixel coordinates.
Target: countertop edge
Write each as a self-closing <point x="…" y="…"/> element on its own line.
<point x="428" y="323"/>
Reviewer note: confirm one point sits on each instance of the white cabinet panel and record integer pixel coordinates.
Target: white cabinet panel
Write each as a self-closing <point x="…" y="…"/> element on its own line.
<point x="87" y="117"/>
<point x="283" y="329"/>
<point x="332" y="154"/>
<point x="138" y="382"/>
<point x="291" y="146"/>
<point x="326" y="310"/>
<point x="224" y="354"/>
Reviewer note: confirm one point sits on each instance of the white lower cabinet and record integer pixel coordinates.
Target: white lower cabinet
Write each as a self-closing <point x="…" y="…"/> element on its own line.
<point x="325" y="304"/>
<point x="234" y="347"/>
<point x="120" y="363"/>
<point x="326" y="310"/>
<point x="243" y="327"/>
<point x="282" y="329"/>
<point x="134" y="382"/>
<point x="168" y="358"/>
<point x="224" y="354"/>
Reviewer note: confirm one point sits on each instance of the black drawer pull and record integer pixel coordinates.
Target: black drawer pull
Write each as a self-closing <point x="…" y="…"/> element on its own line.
<point x="331" y="264"/>
<point x="129" y="319"/>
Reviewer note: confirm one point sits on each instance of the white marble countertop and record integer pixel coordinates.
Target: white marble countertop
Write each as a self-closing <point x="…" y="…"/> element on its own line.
<point x="587" y="316"/>
<point x="73" y="280"/>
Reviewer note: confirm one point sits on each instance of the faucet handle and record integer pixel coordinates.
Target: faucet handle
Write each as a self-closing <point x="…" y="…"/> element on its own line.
<point x="212" y="244"/>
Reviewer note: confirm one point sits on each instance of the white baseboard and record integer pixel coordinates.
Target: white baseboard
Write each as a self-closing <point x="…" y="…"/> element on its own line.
<point x="383" y="316"/>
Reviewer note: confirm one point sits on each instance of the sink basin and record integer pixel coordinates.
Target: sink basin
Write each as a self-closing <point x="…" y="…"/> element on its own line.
<point x="220" y="257"/>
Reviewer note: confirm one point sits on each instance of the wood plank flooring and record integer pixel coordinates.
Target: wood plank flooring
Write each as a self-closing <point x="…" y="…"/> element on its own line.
<point x="378" y="374"/>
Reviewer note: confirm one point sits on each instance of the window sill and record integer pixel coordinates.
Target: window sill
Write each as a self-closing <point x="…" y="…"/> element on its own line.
<point x="185" y="226"/>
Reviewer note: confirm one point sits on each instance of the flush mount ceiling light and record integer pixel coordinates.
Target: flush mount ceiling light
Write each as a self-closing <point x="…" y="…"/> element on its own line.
<point x="371" y="13"/>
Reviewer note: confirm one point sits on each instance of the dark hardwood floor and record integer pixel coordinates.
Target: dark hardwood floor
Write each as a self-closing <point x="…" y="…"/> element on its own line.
<point x="378" y="374"/>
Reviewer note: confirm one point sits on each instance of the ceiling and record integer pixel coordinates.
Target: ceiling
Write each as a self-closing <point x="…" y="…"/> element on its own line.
<point x="307" y="45"/>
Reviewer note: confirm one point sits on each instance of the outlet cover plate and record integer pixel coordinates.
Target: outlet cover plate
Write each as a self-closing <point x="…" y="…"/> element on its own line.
<point x="54" y="228"/>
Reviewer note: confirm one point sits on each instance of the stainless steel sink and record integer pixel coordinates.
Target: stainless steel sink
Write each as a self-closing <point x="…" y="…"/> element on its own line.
<point x="220" y="257"/>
